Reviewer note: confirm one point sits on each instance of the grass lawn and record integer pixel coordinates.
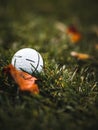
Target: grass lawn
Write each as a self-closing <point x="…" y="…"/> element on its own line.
<point x="68" y="97"/>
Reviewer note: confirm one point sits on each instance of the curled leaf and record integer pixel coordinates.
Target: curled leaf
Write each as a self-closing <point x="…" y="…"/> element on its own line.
<point x="80" y="56"/>
<point x="25" y="81"/>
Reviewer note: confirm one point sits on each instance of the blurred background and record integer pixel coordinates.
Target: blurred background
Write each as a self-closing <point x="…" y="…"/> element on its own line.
<point x="83" y="11"/>
<point x="86" y="10"/>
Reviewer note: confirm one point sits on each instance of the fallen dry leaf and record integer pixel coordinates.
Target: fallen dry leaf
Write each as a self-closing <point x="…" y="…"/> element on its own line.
<point x="80" y="56"/>
<point x="71" y="29"/>
<point x="73" y="34"/>
<point x="75" y="38"/>
<point x="25" y="81"/>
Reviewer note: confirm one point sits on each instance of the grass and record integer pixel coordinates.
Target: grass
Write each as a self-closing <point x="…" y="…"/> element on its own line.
<point x="68" y="96"/>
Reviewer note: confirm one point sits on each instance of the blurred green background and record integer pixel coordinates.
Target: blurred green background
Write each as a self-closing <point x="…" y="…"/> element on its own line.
<point x="83" y="12"/>
<point x="86" y="10"/>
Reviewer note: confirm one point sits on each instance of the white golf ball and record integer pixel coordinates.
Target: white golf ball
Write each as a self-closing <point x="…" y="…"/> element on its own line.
<point x="28" y="60"/>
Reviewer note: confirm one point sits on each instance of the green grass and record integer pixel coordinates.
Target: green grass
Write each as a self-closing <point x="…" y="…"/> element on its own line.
<point x="68" y="97"/>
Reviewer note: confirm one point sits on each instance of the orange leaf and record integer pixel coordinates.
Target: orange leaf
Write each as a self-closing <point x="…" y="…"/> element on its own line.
<point x="74" y="38"/>
<point x="25" y="81"/>
<point x="80" y="56"/>
<point x="73" y="34"/>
